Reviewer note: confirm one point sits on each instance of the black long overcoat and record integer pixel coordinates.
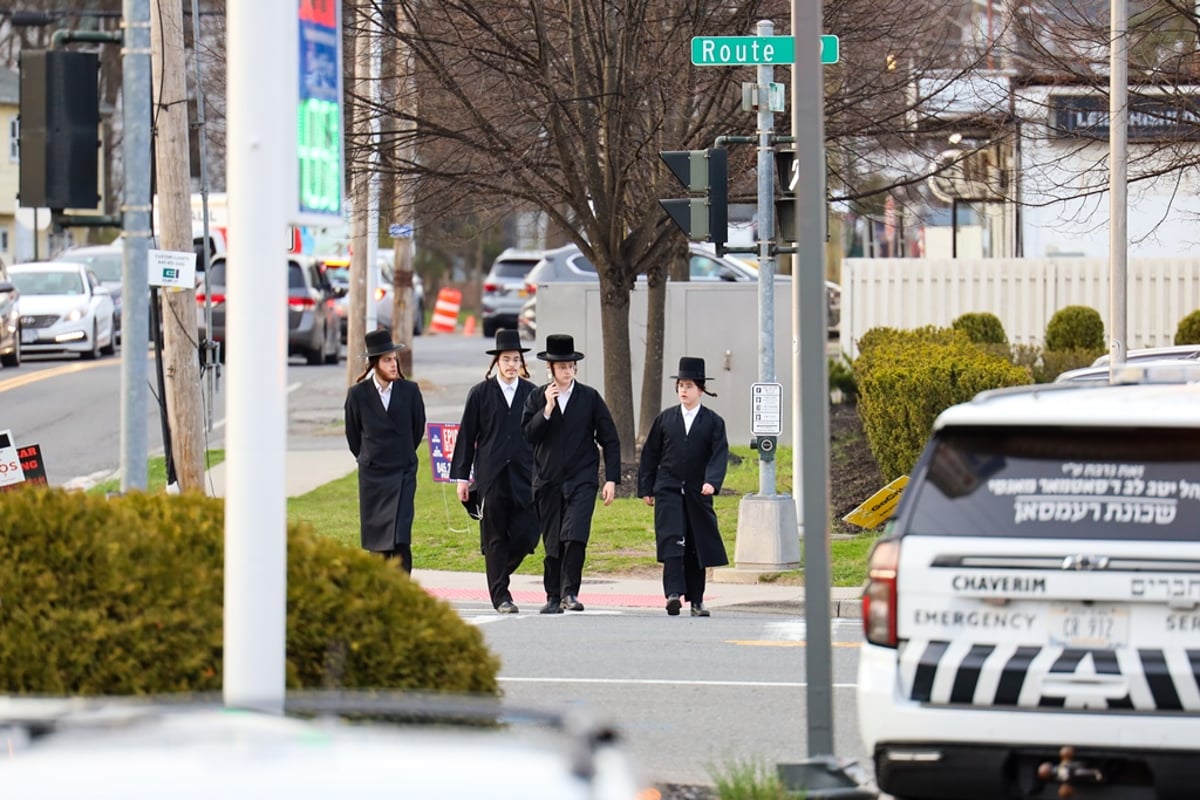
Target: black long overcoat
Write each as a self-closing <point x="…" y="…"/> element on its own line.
<point x="384" y="442"/>
<point x="490" y="439"/>
<point x="675" y="464"/>
<point x="566" y="459"/>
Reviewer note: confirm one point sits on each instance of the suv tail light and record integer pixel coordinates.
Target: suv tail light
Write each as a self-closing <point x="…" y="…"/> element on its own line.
<point x="217" y="299"/>
<point x="530" y="289"/>
<point x="302" y="302"/>
<point x="379" y="293"/>
<point x="879" y="596"/>
<point x="491" y="287"/>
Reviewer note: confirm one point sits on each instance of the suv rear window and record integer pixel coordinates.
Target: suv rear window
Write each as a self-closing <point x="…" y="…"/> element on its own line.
<point x="512" y="269"/>
<point x="1077" y="483"/>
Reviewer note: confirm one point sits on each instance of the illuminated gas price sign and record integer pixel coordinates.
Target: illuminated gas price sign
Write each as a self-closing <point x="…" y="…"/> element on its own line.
<point x="319" y="145"/>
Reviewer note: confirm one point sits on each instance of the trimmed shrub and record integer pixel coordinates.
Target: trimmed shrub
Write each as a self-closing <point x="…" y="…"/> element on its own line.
<point x="981" y="327"/>
<point x="1188" y="331"/>
<point x="910" y="377"/>
<point x="125" y="596"/>
<point x="1075" y="328"/>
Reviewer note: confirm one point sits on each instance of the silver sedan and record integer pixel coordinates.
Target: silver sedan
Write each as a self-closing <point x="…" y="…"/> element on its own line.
<point x="64" y="307"/>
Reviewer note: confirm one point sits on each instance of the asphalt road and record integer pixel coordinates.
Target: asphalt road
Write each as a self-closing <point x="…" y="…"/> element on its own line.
<point x="690" y="697"/>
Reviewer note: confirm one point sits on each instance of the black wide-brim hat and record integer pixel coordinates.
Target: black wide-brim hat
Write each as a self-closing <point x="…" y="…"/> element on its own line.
<point x="380" y="343"/>
<point x="691" y="369"/>
<point x="560" y="347"/>
<point x="506" y="342"/>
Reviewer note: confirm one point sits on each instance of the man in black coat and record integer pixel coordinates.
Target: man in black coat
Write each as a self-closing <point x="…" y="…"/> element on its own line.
<point x="565" y="420"/>
<point x="683" y="466"/>
<point x="491" y="440"/>
<point x="385" y="420"/>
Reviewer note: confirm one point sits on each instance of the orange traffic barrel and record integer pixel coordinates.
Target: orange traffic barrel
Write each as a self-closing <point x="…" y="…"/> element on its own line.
<point x="445" y="311"/>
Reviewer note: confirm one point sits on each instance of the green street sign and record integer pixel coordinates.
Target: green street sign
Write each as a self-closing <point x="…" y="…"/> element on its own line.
<point x="725" y="51"/>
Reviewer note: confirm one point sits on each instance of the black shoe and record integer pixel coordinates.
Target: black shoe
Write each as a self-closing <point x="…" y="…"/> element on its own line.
<point x="507" y="607"/>
<point x="571" y="603"/>
<point x="698" y="610"/>
<point x="553" y="606"/>
<point x="673" y="605"/>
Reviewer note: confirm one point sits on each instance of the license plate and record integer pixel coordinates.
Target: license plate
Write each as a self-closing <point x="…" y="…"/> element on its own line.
<point x="1078" y="625"/>
<point x="28" y="336"/>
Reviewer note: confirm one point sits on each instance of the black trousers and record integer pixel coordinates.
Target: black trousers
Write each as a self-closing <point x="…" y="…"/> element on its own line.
<point x="563" y="575"/>
<point x="685" y="575"/>
<point x="508" y="532"/>
<point x="402" y="552"/>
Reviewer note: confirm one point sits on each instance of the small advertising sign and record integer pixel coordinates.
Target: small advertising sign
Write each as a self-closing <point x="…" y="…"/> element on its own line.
<point x="32" y="466"/>
<point x="10" y="462"/>
<point x="441" y="436"/>
<point x="171" y="268"/>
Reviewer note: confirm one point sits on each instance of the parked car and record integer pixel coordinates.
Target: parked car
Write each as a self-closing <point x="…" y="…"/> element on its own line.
<point x="1031" y="613"/>
<point x="1191" y="351"/>
<point x="338" y="271"/>
<point x="1103" y="373"/>
<point x="833" y="298"/>
<point x="312" y="321"/>
<point x="10" y="321"/>
<point x="106" y="260"/>
<point x="64" y="307"/>
<point x="344" y="746"/>
<point x="569" y="265"/>
<point x="504" y="289"/>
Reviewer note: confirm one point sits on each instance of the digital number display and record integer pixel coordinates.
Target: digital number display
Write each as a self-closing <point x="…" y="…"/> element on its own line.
<point x="319" y="145"/>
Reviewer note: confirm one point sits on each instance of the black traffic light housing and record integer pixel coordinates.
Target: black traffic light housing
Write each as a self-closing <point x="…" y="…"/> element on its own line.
<point x="785" y="196"/>
<point x="704" y="216"/>
<point x="60" y="129"/>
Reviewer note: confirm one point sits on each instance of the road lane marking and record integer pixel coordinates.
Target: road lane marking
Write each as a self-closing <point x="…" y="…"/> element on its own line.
<point x="66" y="369"/>
<point x="673" y="682"/>
<point x="760" y="643"/>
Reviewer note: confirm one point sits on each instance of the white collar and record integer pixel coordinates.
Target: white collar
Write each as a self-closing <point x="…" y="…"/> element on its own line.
<point x="507" y="386"/>
<point x="378" y="386"/>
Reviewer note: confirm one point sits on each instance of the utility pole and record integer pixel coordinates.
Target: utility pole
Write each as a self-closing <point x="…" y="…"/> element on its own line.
<point x="181" y="364"/>
<point x="356" y="329"/>
<point x="402" y="274"/>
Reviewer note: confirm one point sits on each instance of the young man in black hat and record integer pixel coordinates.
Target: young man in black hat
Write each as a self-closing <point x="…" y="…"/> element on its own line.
<point x="385" y="420"/>
<point x="565" y="420"/>
<point x="683" y="465"/>
<point x="491" y="440"/>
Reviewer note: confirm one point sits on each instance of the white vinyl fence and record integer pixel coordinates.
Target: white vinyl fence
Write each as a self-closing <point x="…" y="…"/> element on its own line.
<point x="1024" y="293"/>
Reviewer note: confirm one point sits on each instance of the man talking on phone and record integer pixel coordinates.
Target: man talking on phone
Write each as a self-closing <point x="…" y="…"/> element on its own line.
<point x="565" y="420"/>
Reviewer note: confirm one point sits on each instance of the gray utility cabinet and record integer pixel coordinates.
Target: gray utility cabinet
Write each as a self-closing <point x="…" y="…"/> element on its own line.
<point x="714" y="321"/>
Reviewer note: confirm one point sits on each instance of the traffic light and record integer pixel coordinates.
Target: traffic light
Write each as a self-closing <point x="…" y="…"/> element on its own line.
<point x="785" y="196"/>
<point x="60" y="129"/>
<point x="704" y="216"/>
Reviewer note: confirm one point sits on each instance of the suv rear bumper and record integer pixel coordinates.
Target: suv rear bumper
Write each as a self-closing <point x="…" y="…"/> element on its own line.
<point x="939" y="770"/>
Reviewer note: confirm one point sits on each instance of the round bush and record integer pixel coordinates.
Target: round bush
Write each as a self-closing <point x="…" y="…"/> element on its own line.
<point x="982" y="327"/>
<point x="1188" y="331"/>
<point x="125" y="596"/>
<point x="1075" y="328"/>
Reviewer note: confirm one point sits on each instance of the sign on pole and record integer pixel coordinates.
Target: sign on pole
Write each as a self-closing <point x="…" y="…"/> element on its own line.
<point x="172" y="268"/>
<point x="767" y="412"/>
<point x="725" y="51"/>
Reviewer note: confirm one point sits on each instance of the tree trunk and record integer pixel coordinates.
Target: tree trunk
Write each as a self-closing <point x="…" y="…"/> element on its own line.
<point x="403" y="308"/>
<point x="652" y="369"/>
<point x="618" y="385"/>
<point x="181" y="365"/>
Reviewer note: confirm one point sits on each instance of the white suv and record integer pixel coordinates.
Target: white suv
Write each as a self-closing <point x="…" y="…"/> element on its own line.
<point x="1032" y="615"/>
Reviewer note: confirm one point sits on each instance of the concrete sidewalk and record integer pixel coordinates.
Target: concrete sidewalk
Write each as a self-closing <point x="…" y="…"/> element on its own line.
<point x="304" y="470"/>
<point x="620" y="592"/>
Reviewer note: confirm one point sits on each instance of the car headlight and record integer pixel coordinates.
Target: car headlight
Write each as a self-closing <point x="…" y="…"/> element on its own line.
<point x="75" y="314"/>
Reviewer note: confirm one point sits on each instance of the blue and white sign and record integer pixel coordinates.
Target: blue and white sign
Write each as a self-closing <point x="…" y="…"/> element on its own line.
<point x="171" y="268"/>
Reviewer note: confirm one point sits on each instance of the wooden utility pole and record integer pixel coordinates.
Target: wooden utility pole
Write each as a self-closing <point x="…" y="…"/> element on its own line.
<point x="403" y="307"/>
<point x="181" y="367"/>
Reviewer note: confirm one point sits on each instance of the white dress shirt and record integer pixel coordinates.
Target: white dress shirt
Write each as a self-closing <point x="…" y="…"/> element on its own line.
<point x="385" y="392"/>
<point x="509" y="389"/>
<point x="689" y="416"/>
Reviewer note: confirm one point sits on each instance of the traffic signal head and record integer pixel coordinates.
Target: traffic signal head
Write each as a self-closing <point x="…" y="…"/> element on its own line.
<point x="785" y="196"/>
<point x="703" y="217"/>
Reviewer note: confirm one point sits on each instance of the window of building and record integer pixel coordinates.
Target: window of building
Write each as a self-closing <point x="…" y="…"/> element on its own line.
<point x="14" y="140"/>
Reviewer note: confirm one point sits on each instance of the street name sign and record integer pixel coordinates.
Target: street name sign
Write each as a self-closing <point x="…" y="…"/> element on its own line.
<point x="725" y="51"/>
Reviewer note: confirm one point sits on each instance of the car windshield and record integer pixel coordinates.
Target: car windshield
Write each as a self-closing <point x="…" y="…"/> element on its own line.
<point x="107" y="266"/>
<point x="48" y="282"/>
<point x="338" y="274"/>
<point x="1060" y="483"/>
